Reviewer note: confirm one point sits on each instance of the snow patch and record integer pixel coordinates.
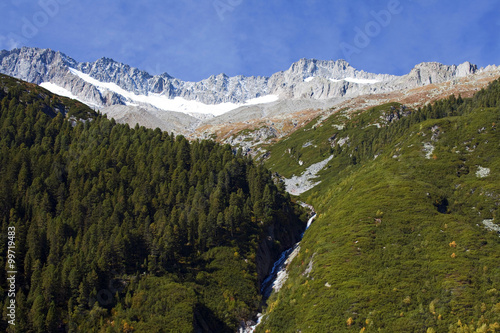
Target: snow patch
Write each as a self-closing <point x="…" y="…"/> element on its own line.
<point x="177" y="104"/>
<point x="348" y="79"/>
<point x="361" y="81"/>
<point x="260" y="100"/>
<point x="55" y="89"/>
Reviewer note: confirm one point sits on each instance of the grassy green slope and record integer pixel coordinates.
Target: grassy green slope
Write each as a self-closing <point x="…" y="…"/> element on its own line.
<point x="313" y="143"/>
<point x="399" y="244"/>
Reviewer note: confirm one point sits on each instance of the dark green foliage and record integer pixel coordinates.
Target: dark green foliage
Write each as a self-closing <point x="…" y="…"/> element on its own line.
<point x="121" y="229"/>
<point x="399" y="244"/>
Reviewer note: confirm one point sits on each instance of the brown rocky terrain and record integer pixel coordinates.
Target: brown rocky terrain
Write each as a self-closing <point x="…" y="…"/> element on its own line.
<point x="251" y="134"/>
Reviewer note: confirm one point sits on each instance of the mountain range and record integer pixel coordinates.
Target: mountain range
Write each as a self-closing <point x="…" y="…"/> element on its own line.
<point x="198" y="109"/>
<point x="122" y="228"/>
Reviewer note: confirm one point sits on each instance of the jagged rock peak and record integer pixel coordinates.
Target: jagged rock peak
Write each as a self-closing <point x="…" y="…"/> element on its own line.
<point x="315" y="67"/>
<point x="105" y="60"/>
<point x="221" y="76"/>
<point x="463" y="69"/>
<point x="107" y="69"/>
<point x="466" y="69"/>
<point x="305" y="79"/>
<point x="45" y="55"/>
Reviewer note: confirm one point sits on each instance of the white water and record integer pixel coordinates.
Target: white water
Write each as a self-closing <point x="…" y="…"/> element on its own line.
<point x="278" y="276"/>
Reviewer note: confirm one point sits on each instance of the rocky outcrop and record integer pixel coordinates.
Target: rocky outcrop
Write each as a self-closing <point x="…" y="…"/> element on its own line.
<point x="278" y="238"/>
<point x="433" y="72"/>
<point x="307" y="84"/>
<point x="307" y="78"/>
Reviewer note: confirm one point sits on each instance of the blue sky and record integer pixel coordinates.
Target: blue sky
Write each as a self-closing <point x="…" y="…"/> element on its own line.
<point x="192" y="40"/>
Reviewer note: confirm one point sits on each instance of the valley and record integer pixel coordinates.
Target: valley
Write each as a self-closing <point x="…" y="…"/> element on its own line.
<point x="183" y="202"/>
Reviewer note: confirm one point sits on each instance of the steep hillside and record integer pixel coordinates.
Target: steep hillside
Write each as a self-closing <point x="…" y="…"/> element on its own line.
<point x="253" y="135"/>
<point x="407" y="234"/>
<point x="117" y="229"/>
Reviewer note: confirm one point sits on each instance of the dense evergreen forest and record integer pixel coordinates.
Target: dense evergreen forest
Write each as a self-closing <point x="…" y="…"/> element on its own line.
<point x="121" y="229"/>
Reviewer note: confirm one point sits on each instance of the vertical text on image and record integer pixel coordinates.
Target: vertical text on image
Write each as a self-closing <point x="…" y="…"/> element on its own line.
<point x="11" y="275"/>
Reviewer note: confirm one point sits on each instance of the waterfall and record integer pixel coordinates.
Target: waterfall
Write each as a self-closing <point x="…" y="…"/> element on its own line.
<point x="277" y="278"/>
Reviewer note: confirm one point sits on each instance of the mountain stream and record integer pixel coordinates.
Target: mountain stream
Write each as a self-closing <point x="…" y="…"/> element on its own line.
<point x="278" y="276"/>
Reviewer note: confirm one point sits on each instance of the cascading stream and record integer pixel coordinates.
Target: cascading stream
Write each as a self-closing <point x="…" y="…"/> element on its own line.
<point x="277" y="277"/>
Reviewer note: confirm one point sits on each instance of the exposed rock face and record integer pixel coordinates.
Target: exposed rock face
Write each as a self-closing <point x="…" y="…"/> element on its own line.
<point x="44" y="65"/>
<point x="34" y="65"/>
<point x="433" y="72"/>
<point x="307" y="78"/>
<point x="318" y="79"/>
<point x="307" y="84"/>
<point x="279" y="237"/>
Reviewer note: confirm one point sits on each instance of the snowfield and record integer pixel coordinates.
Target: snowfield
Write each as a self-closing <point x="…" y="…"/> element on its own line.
<point x="362" y="81"/>
<point x="54" y="88"/>
<point x="177" y="104"/>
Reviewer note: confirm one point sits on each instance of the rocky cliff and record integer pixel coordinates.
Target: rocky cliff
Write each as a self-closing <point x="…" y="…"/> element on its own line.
<point x="139" y="97"/>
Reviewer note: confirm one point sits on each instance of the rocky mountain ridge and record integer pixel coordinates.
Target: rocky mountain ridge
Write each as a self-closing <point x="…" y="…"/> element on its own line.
<point x="135" y="96"/>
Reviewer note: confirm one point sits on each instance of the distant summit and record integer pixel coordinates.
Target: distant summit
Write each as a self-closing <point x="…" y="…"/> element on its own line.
<point x="182" y="106"/>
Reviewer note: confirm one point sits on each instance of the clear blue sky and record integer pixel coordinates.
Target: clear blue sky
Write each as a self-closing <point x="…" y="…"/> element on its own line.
<point x="192" y="40"/>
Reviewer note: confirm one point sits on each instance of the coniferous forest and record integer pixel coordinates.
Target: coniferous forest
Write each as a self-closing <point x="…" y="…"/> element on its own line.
<point x="121" y="229"/>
